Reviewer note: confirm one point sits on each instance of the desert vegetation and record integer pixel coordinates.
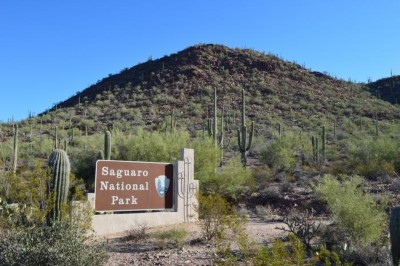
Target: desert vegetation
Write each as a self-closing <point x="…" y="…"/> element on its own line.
<point x="319" y="154"/>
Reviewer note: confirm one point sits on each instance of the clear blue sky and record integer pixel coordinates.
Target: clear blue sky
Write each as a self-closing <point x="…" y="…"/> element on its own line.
<point x="49" y="50"/>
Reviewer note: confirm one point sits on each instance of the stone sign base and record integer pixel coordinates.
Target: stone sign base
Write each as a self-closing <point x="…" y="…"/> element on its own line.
<point x="184" y="209"/>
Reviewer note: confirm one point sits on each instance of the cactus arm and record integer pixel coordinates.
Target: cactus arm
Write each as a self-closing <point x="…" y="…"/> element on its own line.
<point x="221" y="135"/>
<point x="250" y="136"/>
<point x="244" y="139"/>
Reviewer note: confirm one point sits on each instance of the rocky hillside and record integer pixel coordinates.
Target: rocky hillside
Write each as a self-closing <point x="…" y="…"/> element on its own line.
<point x="276" y="90"/>
<point x="387" y="89"/>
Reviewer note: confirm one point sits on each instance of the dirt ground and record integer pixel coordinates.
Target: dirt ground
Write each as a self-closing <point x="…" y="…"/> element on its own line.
<point x="194" y="251"/>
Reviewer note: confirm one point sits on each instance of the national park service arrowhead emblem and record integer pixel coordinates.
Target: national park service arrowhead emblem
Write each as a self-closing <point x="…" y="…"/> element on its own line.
<point x="162" y="185"/>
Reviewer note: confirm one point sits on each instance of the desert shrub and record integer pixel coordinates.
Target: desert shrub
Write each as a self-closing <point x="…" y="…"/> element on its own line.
<point x="328" y="257"/>
<point x="23" y="196"/>
<point x="356" y="213"/>
<point x="205" y="160"/>
<point x="262" y="175"/>
<point x="150" y="146"/>
<point x="80" y="213"/>
<point x="137" y="233"/>
<point x="83" y="164"/>
<point x="265" y="212"/>
<point x="370" y="155"/>
<point x="303" y="224"/>
<point x="282" y="153"/>
<point x="280" y="253"/>
<point x="232" y="181"/>
<point x="176" y="236"/>
<point x="214" y="212"/>
<point x="233" y="245"/>
<point x="62" y="243"/>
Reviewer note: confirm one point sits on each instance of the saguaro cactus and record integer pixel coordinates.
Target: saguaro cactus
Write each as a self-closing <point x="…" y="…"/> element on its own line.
<point x="215" y="130"/>
<point x="221" y="139"/>
<point x="244" y="145"/>
<point x="394" y="227"/>
<point x="314" y="142"/>
<point x="212" y="123"/>
<point x="334" y="131"/>
<point x="59" y="186"/>
<point x="107" y="145"/>
<point x="172" y="123"/>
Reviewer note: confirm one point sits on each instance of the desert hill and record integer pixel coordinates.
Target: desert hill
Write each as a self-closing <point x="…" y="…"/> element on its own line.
<point x="276" y="90"/>
<point x="387" y="89"/>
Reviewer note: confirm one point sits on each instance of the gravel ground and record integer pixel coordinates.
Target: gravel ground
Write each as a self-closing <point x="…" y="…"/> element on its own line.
<point x="194" y="252"/>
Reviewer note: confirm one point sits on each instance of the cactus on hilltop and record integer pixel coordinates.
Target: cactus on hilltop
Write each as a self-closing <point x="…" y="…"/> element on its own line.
<point x="58" y="188"/>
<point x="244" y="138"/>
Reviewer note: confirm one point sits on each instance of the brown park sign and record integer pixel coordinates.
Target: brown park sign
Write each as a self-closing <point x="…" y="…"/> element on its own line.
<point x="132" y="186"/>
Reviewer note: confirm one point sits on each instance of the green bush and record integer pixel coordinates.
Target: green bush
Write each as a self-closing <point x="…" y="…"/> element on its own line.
<point x="206" y="159"/>
<point x="370" y="155"/>
<point x="83" y="164"/>
<point x="60" y="244"/>
<point x="149" y="146"/>
<point x="22" y="196"/>
<point x="214" y="212"/>
<point x="356" y="213"/>
<point x="233" y="180"/>
<point x="281" y="153"/>
<point x="281" y="254"/>
<point x="230" y="181"/>
<point x="175" y="235"/>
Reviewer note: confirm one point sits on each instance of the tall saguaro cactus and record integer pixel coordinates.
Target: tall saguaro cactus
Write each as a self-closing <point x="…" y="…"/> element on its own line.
<point x="59" y="186"/>
<point x="221" y="139"/>
<point x="323" y="138"/>
<point x="107" y="145"/>
<point x="212" y="123"/>
<point x="215" y="130"/>
<point x="394" y="227"/>
<point x="244" y="144"/>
